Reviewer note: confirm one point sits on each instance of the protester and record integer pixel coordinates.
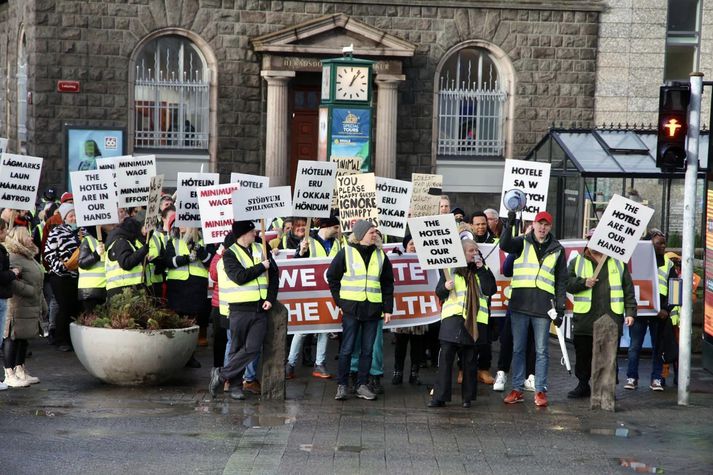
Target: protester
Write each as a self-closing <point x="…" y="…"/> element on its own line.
<point x="444" y="205"/>
<point x="25" y="308"/>
<point x="62" y="256"/>
<point x="495" y="224"/>
<point x="464" y="295"/>
<point x="637" y="330"/>
<point x="167" y="217"/>
<point x="292" y="238"/>
<point x="458" y="214"/>
<point x="362" y="285"/>
<point x="538" y="293"/>
<point x="248" y="282"/>
<point x="282" y="231"/>
<point x="92" y="271"/>
<point x="611" y="293"/>
<point x="7" y="276"/>
<point x="125" y="258"/>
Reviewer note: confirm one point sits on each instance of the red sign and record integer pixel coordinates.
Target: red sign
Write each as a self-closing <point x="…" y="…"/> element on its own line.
<point x="67" y="86"/>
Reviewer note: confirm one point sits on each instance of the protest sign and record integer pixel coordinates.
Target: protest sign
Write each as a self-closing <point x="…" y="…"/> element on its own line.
<point x="153" y="204"/>
<point x="216" y="207"/>
<point x="249" y="181"/>
<point x="304" y="290"/>
<point x="263" y="203"/>
<point x="19" y="179"/>
<point x="133" y="176"/>
<point x="3" y="145"/>
<point x="620" y="228"/>
<point x="437" y="242"/>
<point x="357" y="200"/>
<point x="187" y="211"/>
<point x="314" y="185"/>
<point x="393" y="198"/>
<point x="533" y="179"/>
<point x="345" y="166"/>
<point x="94" y="197"/>
<point x="426" y="194"/>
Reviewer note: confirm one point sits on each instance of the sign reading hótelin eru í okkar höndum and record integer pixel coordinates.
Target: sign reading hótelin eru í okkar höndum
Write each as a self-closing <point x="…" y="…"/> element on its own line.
<point x="95" y="200"/>
<point x="533" y="179"/>
<point x="314" y="185"/>
<point x="437" y="241"/>
<point x="393" y="198"/>
<point x="621" y="227"/>
<point x="187" y="210"/>
<point x="19" y="179"/>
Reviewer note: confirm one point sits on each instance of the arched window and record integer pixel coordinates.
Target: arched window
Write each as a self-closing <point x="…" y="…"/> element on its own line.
<point x="472" y="101"/>
<point x="22" y="93"/>
<point x="171" y="95"/>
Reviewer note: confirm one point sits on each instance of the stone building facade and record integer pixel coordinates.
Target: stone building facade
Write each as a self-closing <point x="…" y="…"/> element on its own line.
<point x="259" y="54"/>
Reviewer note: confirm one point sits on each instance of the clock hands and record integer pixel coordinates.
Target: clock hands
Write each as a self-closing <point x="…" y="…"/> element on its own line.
<point x="354" y="78"/>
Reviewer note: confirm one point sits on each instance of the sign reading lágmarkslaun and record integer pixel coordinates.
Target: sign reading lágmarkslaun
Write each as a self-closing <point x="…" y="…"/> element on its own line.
<point x="533" y="179"/>
<point x="19" y="179"/>
<point x="357" y="200"/>
<point x="437" y="241"/>
<point x="94" y="197"/>
<point x="622" y="225"/>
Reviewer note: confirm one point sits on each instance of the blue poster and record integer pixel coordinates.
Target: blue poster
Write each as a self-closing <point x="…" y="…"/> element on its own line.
<point x="84" y="146"/>
<point x="351" y="133"/>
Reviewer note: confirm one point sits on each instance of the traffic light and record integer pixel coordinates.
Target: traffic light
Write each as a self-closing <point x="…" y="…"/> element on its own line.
<point x="672" y="127"/>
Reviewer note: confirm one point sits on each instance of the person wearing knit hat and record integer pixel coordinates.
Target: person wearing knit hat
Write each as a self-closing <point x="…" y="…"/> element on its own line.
<point x="67" y="197"/>
<point x="248" y="282"/>
<point x="361" y="281"/>
<point x="65" y="209"/>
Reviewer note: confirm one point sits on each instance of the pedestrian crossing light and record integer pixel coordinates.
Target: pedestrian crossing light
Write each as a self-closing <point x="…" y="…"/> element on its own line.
<point x="672" y="127"/>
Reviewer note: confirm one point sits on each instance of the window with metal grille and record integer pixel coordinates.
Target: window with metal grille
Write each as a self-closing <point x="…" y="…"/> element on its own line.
<point x="171" y="95"/>
<point x="471" y="105"/>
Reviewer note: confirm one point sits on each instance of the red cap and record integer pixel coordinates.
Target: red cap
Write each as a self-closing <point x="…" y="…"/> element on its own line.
<point x="543" y="216"/>
<point x="66" y="196"/>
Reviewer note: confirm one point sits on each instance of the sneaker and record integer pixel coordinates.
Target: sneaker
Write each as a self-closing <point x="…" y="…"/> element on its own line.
<point x="514" y="397"/>
<point x="320" y="371"/>
<point x="541" y="399"/>
<point x="485" y="377"/>
<point x="253" y="387"/>
<point x="398" y="378"/>
<point x="215" y="381"/>
<point x="364" y="392"/>
<point x="530" y="383"/>
<point x="237" y="393"/>
<point x="581" y="391"/>
<point x="656" y="385"/>
<point x="630" y="383"/>
<point x="436" y="403"/>
<point x="289" y="371"/>
<point x="501" y="377"/>
<point x="341" y="393"/>
<point x="22" y="373"/>
<point x="3" y="386"/>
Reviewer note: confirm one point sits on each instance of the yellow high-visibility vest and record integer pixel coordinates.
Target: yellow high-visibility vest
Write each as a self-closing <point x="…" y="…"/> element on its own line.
<point x="95" y="276"/>
<point x="156" y="245"/>
<point x="192" y="268"/>
<point x="359" y="282"/>
<point x="455" y="304"/>
<point x="664" y="270"/>
<point x="529" y="273"/>
<point x="585" y="269"/>
<point x="230" y="292"/>
<point x="117" y="277"/>
<point x="316" y="249"/>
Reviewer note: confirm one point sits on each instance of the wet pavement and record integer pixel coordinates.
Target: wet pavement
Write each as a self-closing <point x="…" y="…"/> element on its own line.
<point x="72" y="423"/>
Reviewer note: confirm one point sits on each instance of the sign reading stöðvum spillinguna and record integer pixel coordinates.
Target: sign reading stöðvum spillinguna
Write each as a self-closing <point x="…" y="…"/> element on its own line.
<point x="438" y="244"/>
<point x="263" y="203"/>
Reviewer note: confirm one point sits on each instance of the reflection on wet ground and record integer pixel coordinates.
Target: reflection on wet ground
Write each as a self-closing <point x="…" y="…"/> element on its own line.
<point x="639" y="467"/>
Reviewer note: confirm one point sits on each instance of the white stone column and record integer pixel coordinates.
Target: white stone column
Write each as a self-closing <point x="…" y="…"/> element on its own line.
<point x="387" y="108"/>
<point x="277" y="164"/>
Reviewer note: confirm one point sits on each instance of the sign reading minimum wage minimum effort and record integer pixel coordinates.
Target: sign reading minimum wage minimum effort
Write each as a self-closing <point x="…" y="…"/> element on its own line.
<point x="216" y="206"/>
<point x="393" y="198"/>
<point x="19" y="179"/>
<point x="424" y="200"/>
<point x="264" y="203"/>
<point x="357" y="200"/>
<point x="187" y="211"/>
<point x="133" y="176"/>
<point x="532" y="178"/>
<point x="621" y="227"/>
<point x="153" y="205"/>
<point x="94" y="197"/>
<point x="437" y="242"/>
<point x="314" y="185"/>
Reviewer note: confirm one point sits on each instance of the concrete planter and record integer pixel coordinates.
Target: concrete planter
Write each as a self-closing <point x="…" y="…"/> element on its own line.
<point x="133" y="357"/>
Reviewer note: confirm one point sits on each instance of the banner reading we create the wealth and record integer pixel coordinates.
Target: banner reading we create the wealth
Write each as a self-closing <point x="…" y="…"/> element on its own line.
<point x="305" y="292"/>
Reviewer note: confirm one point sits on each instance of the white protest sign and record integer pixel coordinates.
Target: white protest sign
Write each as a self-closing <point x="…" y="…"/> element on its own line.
<point x="94" y="197"/>
<point x="426" y="194"/>
<point x="216" y="207"/>
<point x="19" y="179"/>
<point x="314" y="185"/>
<point x="133" y="176"/>
<point x="249" y="181"/>
<point x="393" y="198"/>
<point x="622" y="225"/>
<point x="357" y="200"/>
<point x="265" y="203"/>
<point x="187" y="211"/>
<point x="437" y="242"/>
<point x="345" y="166"/>
<point x="3" y="145"/>
<point x="153" y="204"/>
<point x="532" y="178"/>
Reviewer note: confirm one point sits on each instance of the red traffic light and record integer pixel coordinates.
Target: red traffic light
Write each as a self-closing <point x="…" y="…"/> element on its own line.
<point x="672" y="127"/>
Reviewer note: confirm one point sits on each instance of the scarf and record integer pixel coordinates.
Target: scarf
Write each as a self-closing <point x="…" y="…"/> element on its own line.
<point x="472" y="298"/>
<point x="16" y="247"/>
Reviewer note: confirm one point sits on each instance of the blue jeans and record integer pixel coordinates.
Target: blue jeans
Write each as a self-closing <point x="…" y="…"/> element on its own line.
<point x="350" y="328"/>
<point x="637" y="332"/>
<point x="296" y="347"/>
<point x="540" y="328"/>
<point x="250" y="370"/>
<point x="377" y="355"/>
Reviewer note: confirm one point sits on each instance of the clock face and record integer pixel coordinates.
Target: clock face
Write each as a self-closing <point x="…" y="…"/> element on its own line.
<point x="351" y="83"/>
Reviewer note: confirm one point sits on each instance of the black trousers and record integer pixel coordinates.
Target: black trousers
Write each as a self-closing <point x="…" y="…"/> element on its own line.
<point x="483" y="347"/>
<point x="14" y="352"/>
<point x="505" y="357"/>
<point x="247" y="330"/>
<point x="402" y="341"/>
<point x="444" y="380"/>
<point x="431" y="341"/>
<point x="220" y="337"/>
<point x="583" y="351"/>
<point x="65" y="291"/>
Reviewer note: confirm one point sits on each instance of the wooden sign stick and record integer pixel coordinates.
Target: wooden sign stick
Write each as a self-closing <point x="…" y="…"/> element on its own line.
<point x="599" y="266"/>
<point x="264" y="248"/>
<point x="99" y="233"/>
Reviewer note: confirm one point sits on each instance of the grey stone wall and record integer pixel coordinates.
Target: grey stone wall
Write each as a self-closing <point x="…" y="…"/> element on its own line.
<point x="553" y="53"/>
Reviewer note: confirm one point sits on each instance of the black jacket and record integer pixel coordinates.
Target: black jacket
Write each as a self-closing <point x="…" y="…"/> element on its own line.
<point x="534" y="301"/>
<point x="187" y="297"/>
<point x="362" y="310"/>
<point x="6" y="275"/>
<point x="240" y="275"/>
<point x="122" y="241"/>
